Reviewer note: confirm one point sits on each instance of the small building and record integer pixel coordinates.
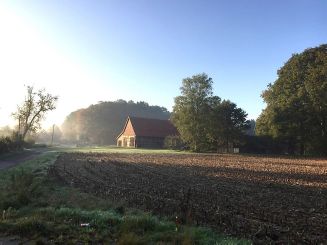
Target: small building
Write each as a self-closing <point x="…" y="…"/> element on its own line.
<point x="145" y="133"/>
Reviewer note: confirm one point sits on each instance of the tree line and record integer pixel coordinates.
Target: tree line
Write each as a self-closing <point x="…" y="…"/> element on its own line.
<point x="101" y="123"/>
<point x="294" y="120"/>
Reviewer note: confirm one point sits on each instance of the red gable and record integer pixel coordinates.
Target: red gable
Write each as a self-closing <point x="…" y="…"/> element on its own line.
<point x="150" y="127"/>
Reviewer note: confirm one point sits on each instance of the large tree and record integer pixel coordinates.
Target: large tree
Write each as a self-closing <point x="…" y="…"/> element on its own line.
<point x="33" y="110"/>
<point x="203" y="120"/>
<point x="191" y="111"/>
<point x="228" y="123"/>
<point x="297" y="103"/>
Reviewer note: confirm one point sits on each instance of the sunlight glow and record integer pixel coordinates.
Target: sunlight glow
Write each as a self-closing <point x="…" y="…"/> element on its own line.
<point x="27" y="58"/>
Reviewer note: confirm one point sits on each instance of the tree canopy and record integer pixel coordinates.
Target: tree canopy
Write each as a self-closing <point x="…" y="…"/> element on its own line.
<point x="297" y="103"/>
<point x="101" y="123"/>
<point x="33" y="110"/>
<point x="229" y="123"/>
<point x="202" y="119"/>
<point x="191" y="110"/>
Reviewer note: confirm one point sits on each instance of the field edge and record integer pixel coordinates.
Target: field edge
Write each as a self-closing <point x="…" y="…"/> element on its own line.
<point x="35" y="206"/>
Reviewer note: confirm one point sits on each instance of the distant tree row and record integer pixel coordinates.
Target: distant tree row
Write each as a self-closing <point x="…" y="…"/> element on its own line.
<point x="204" y="121"/>
<point x="294" y="121"/>
<point x="101" y="123"/>
<point x="296" y="112"/>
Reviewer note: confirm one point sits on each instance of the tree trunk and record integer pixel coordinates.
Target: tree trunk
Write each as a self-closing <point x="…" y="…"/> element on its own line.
<point x="24" y="134"/>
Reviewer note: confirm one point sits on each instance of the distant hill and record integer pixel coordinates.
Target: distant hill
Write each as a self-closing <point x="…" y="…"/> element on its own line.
<point x="101" y="123"/>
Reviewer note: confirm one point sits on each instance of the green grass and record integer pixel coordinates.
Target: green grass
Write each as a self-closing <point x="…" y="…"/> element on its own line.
<point x="114" y="149"/>
<point x="35" y="206"/>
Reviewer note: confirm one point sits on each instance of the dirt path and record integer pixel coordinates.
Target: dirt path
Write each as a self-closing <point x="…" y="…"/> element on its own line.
<point x="14" y="159"/>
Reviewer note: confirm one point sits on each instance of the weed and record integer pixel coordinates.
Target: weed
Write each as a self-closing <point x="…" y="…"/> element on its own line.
<point x="30" y="226"/>
<point x="130" y="238"/>
<point x="22" y="187"/>
<point x="138" y="224"/>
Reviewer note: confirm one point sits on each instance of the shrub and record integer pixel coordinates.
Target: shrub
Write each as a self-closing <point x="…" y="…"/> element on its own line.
<point x="8" y="144"/>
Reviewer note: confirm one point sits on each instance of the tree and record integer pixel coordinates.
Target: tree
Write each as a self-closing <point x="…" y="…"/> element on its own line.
<point x="191" y="110"/>
<point x="203" y="120"/>
<point x="6" y="131"/>
<point x="297" y="103"/>
<point x="101" y="123"/>
<point x="215" y="124"/>
<point x="228" y="123"/>
<point x="33" y="110"/>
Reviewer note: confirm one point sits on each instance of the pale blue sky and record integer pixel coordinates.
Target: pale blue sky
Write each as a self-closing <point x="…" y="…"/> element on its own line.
<point x="87" y="51"/>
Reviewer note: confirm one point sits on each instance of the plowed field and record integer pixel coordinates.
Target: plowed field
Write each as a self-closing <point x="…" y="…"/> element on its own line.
<point x="266" y="199"/>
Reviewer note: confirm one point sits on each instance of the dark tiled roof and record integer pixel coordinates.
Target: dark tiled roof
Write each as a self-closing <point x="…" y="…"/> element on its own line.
<point x="152" y="127"/>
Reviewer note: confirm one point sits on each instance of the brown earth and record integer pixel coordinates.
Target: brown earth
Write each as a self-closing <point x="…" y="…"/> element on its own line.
<point x="266" y="199"/>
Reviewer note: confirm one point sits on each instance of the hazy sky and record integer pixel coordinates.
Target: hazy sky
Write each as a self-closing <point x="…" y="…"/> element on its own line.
<point x="90" y="51"/>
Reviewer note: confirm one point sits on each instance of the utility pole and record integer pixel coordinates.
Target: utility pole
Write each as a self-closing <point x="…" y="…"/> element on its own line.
<point x="52" y="134"/>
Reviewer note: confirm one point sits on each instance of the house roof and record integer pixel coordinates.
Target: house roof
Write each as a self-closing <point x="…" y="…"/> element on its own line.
<point x="150" y="127"/>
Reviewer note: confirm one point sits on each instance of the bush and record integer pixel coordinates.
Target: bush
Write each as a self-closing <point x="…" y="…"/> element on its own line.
<point x="8" y="144"/>
<point x="5" y="145"/>
<point x="263" y="145"/>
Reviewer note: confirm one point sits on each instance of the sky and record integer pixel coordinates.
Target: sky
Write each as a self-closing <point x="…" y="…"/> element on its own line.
<point x="91" y="51"/>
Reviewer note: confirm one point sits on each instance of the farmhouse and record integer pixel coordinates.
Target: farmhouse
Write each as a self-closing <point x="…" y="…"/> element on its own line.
<point x="145" y="133"/>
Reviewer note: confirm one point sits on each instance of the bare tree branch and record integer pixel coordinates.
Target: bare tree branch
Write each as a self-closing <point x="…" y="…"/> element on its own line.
<point x="33" y="110"/>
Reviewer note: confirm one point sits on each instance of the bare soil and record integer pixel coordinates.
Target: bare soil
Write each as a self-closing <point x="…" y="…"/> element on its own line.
<point x="267" y="199"/>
